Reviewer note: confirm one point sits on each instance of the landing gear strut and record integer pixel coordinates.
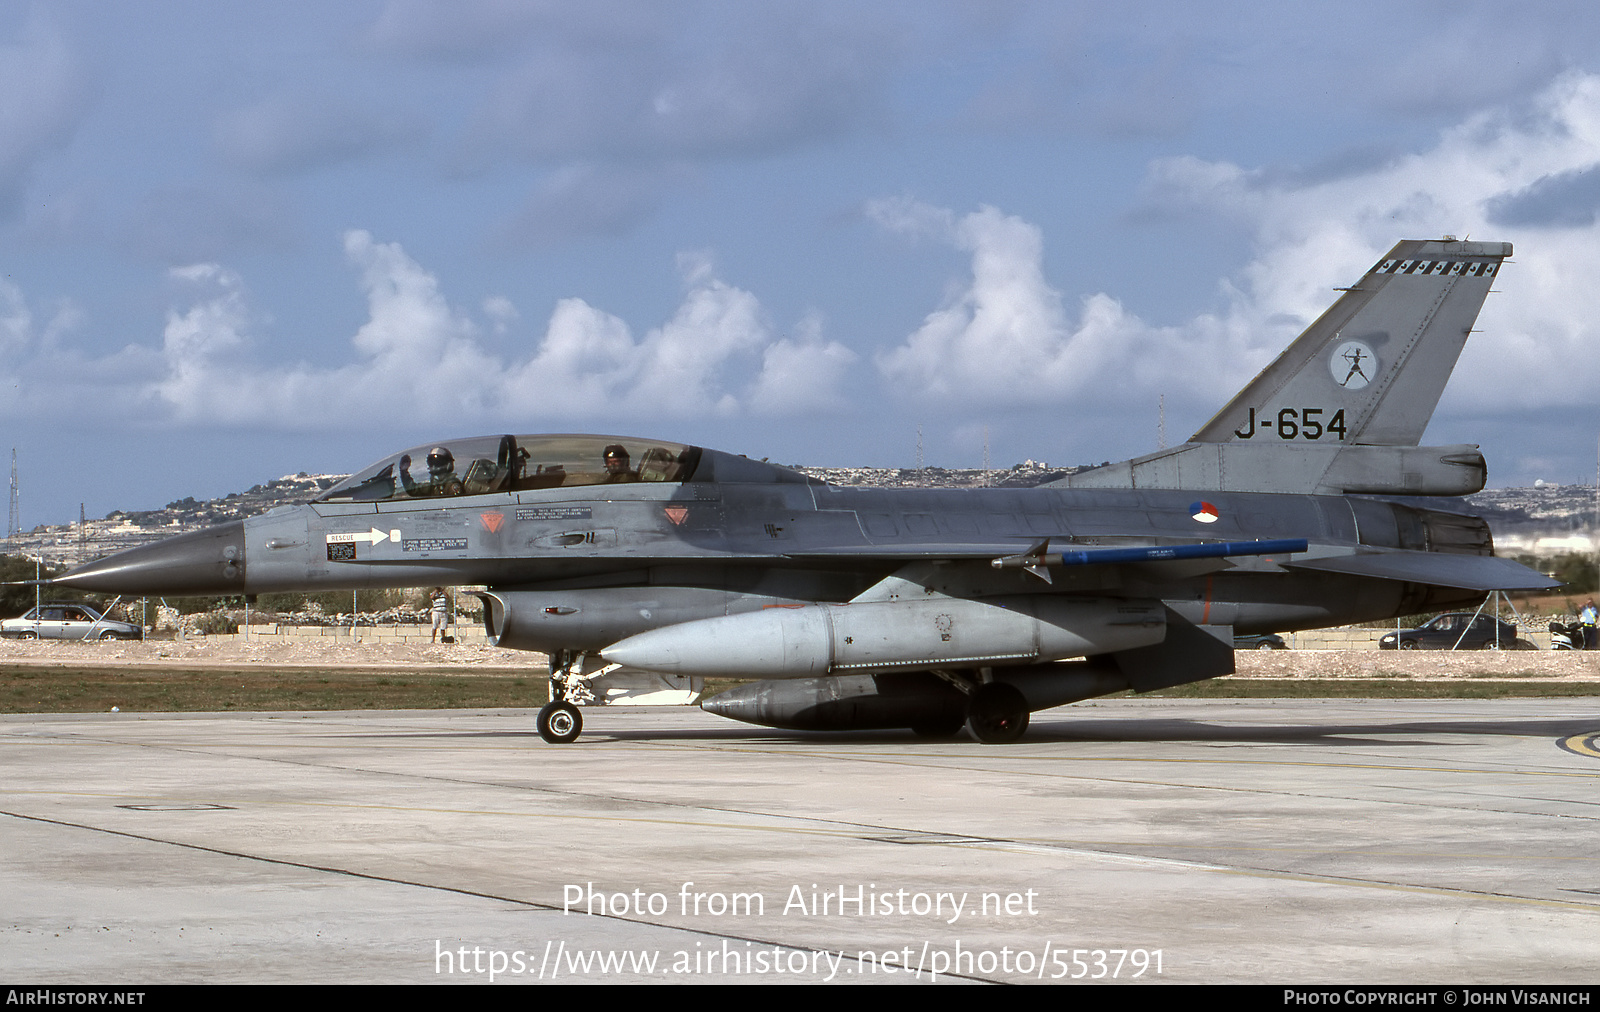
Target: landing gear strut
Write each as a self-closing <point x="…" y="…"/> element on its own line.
<point x="560" y="721"/>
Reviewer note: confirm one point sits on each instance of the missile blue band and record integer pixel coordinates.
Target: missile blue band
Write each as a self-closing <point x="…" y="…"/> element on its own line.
<point x="1220" y="549"/>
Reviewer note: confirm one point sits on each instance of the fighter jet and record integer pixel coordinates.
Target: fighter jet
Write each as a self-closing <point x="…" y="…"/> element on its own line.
<point x="856" y="608"/>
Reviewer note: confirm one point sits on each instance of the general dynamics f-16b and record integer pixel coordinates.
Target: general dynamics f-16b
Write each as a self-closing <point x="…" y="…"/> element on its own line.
<point x="853" y="608"/>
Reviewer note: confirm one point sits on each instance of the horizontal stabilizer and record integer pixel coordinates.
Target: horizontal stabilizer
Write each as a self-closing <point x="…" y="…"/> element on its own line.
<point x="1440" y="569"/>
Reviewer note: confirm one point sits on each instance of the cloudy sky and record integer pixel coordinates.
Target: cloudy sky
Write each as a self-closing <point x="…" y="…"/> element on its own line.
<point x="242" y="240"/>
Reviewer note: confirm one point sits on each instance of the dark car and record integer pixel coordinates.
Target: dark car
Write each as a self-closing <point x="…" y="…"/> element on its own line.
<point x="67" y="622"/>
<point x="1260" y="641"/>
<point x="1459" y="630"/>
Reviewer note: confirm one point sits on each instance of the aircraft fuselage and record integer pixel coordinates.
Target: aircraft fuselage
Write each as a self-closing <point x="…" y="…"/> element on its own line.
<point x="697" y="550"/>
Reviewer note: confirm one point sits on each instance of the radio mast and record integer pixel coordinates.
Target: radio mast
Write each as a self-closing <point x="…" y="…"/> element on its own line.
<point x="14" y="524"/>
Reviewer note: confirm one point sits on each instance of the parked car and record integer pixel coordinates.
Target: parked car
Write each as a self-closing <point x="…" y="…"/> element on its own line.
<point x="67" y="622"/>
<point x="1459" y="630"/>
<point x="1260" y="641"/>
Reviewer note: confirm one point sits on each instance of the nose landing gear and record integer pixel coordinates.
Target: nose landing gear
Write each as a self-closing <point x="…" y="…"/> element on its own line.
<point x="560" y="722"/>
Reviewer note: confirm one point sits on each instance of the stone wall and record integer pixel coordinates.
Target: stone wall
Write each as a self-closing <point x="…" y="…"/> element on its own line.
<point x="405" y="634"/>
<point x="1352" y="638"/>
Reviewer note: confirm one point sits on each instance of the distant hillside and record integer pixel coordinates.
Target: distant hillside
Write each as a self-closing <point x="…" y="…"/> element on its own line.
<point x="70" y="544"/>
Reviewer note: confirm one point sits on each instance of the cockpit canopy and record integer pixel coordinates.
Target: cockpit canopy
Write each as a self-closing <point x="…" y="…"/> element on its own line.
<point x="484" y="464"/>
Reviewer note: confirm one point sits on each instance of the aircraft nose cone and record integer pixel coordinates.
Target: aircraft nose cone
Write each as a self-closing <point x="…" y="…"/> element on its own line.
<point x="202" y="562"/>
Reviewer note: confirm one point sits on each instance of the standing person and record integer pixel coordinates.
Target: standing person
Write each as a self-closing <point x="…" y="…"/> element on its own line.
<point x="441" y="613"/>
<point x="1589" y="617"/>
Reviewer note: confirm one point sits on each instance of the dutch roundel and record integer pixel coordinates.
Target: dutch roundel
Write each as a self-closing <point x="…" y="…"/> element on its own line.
<point x="1203" y="512"/>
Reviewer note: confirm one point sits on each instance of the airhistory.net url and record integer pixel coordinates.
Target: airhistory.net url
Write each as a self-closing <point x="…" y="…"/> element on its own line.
<point x="557" y="961"/>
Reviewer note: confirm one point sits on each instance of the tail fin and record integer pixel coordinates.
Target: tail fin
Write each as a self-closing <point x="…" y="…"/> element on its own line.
<point x="1343" y="408"/>
<point x="1371" y="369"/>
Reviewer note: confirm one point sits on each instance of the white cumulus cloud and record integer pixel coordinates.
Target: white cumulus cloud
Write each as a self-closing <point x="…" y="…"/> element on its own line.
<point x="1006" y="337"/>
<point x="1507" y="174"/>
<point x="417" y="358"/>
<point x="802" y="373"/>
<point x="1530" y="175"/>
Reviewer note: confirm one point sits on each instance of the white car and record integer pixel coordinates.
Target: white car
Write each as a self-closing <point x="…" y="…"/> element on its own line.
<point x="67" y="622"/>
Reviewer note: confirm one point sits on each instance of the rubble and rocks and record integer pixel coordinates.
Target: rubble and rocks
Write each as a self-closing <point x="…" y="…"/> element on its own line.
<point x="234" y="653"/>
<point x="1028" y="474"/>
<point x="1431" y="665"/>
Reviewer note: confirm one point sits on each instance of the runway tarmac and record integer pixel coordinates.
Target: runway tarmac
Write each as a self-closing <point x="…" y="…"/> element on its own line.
<point x="1188" y="841"/>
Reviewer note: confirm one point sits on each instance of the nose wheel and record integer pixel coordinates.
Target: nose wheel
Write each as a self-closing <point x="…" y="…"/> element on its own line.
<point x="560" y="723"/>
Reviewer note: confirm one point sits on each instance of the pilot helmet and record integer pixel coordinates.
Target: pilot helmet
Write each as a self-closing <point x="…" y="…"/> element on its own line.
<point x="441" y="460"/>
<point x="616" y="451"/>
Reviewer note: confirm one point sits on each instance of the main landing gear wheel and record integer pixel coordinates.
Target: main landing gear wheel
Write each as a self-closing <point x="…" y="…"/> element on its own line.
<point x="997" y="714"/>
<point x="560" y="723"/>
